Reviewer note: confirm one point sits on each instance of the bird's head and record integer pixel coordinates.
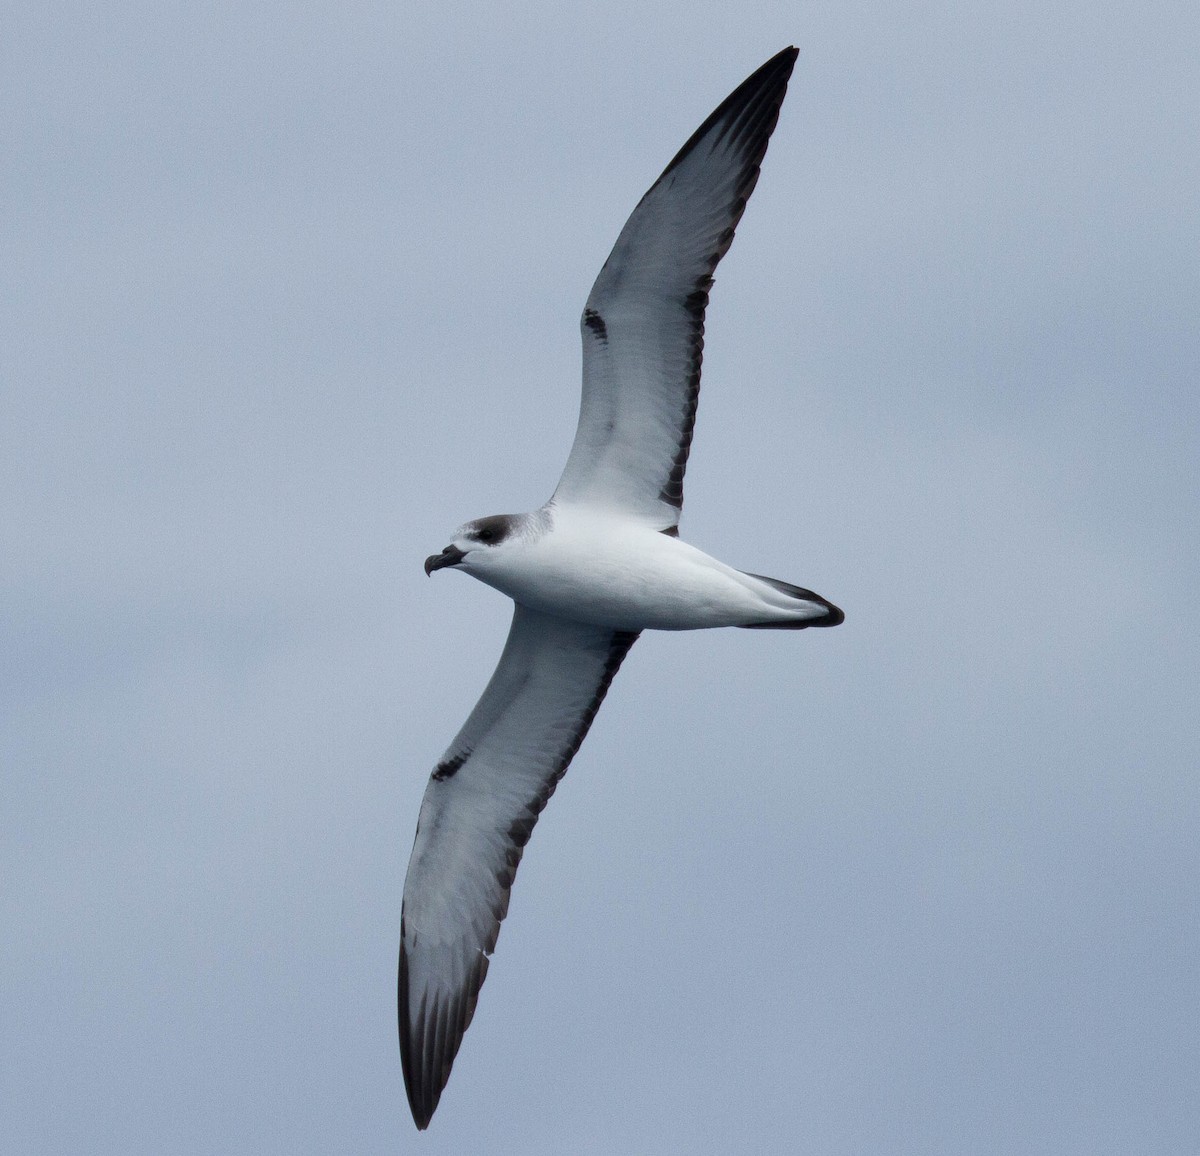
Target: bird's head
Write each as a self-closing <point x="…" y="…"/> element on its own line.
<point x="479" y="544"/>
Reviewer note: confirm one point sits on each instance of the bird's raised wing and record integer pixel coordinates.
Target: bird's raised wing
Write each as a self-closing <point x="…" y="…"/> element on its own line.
<point x="479" y="809"/>
<point x="643" y="326"/>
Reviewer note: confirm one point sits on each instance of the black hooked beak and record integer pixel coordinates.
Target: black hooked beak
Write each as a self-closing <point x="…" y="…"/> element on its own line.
<point x="450" y="556"/>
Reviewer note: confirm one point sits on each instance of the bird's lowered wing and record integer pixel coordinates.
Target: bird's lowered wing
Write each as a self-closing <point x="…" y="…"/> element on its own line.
<point x="643" y="325"/>
<point x="479" y="809"/>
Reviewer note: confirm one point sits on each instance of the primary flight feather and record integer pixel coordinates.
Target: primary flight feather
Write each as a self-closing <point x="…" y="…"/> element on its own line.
<point x="597" y="564"/>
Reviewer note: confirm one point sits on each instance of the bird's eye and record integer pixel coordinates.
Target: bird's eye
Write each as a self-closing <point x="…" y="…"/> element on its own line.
<point x="488" y="535"/>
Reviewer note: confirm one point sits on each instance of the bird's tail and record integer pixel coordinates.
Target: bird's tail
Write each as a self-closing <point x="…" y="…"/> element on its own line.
<point x="802" y="607"/>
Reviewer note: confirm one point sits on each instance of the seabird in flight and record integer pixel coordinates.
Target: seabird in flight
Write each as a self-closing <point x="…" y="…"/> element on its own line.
<point x="600" y="562"/>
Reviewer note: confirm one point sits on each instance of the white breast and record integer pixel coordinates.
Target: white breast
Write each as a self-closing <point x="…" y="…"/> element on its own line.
<point x="613" y="572"/>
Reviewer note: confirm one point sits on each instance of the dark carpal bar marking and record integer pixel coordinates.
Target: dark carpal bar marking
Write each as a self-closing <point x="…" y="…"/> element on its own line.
<point x="595" y="323"/>
<point x="448" y="768"/>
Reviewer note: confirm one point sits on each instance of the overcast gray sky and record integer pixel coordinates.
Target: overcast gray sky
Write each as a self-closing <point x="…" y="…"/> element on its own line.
<point x="291" y="290"/>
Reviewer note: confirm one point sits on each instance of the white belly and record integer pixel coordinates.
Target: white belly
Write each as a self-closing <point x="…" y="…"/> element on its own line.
<point x="627" y="577"/>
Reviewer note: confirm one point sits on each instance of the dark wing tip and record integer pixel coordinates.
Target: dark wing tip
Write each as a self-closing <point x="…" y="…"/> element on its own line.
<point x="742" y="123"/>
<point x="432" y="1023"/>
<point x="750" y="110"/>
<point x="430" y="1037"/>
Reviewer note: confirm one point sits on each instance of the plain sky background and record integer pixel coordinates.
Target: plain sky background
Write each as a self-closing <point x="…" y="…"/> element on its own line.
<point x="291" y="290"/>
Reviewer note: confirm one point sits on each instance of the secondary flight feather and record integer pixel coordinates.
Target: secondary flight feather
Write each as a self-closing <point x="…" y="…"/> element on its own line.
<point x="597" y="564"/>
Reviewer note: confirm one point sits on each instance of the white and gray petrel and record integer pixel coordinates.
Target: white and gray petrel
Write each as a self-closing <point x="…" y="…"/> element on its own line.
<point x="597" y="564"/>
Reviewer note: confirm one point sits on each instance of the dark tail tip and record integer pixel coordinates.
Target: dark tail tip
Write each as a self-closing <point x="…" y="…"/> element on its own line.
<point x="833" y="615"/>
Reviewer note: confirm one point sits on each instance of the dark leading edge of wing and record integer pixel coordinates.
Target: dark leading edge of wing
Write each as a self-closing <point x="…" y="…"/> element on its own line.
<point x="643" y="325"/>
<point x="480" y="807"/>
